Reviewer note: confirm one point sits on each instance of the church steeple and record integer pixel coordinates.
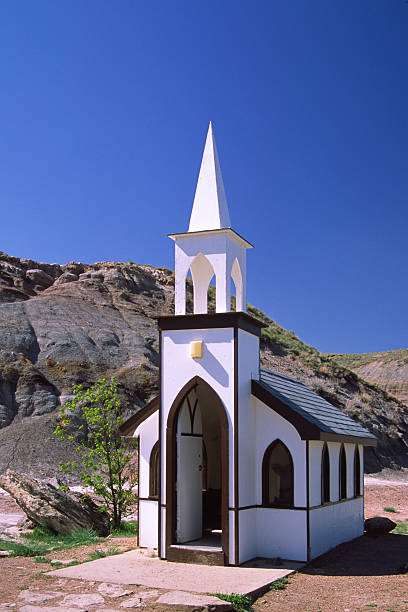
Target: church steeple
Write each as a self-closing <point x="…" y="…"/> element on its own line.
<point x="210" y="248"/>
<point x="210" y="208"/>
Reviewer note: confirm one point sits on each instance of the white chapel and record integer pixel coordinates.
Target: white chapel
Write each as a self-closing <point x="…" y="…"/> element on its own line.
<point x="236" y="461"/>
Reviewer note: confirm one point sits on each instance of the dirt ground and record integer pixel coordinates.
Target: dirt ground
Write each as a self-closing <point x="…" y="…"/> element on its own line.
<point x="355" y="577"/>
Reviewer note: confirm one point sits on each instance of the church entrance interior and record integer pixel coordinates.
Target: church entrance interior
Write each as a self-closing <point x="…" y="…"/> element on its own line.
<point x="199" y="472"/>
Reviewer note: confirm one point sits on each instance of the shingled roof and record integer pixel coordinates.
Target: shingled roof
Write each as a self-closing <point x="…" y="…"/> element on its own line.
<point x="312" y="415"/>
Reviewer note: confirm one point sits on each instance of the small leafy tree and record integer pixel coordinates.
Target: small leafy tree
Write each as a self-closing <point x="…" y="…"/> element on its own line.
<point x="104" y="455"/>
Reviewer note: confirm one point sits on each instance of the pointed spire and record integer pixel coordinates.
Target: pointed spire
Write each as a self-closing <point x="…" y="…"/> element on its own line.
<point x="210" y="208"/>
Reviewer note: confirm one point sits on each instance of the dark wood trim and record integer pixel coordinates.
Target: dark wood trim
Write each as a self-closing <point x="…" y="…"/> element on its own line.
<point x="153" y="476"/>
<point x="325" y="449"/>
<point x="236" y="454"/>
<point x="357" y="458"/>
<point x="309" y="549"/>
<point x="156" y="499"/>
<point x="265" y="475"/>
<point x="306" y="429"/>
<point x="160" y="552"/>
<point x="342" y="454"/>
<point x="182" y="554"/>
<point x="237" y="320"/>
<point x="334" y="503"/>
<point x="129" y="427"/>
<point x="326" y="436"/>
<point x="192" y="435"/>
<point x="254" y="506"/>
<point x="171" y="465"/>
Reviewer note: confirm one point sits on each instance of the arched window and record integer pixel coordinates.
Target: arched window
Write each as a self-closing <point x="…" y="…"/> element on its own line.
<point x="357" y="472"/>
<point x="342" y="473"/>
<point x="325" y="475"/>
<point x="154" y="471"/>
<point x="277" y="476"/>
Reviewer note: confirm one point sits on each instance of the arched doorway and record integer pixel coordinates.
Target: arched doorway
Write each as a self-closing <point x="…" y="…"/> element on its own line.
<point x="197" y="440"/>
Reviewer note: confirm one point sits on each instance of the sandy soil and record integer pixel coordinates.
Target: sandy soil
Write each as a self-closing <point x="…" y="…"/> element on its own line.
<point x="355" y="577"/>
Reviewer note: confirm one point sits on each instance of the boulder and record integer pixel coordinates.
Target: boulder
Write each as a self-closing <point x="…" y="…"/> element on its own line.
<point x="60" y="511"/>
<point x="67" y="277"/>
<point x="378" y="525"/>
<point x="40" y="277"/>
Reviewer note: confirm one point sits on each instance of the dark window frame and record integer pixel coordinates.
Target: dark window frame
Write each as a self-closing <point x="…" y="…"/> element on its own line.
<point x="357" y="472"/>
<point x="325" y="475"/>
<point x="154" y="471"/>
<point x="265" y="476"/>
<point x="342" y="473"/>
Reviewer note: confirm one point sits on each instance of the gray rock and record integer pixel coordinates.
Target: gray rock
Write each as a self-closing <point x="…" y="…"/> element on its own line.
<point x="35" y="597"/>
<point x="5" y="553"/>
<point x="63" y="512"/>
<point x="113" y="590"/>
<point x="50" y="609"/>
<point x="378" y="525"/>
<point x="67" y="277"/>
<point x="82" y="600"/>
<point x="40" y="277"/>
<point x="140" y="599"/>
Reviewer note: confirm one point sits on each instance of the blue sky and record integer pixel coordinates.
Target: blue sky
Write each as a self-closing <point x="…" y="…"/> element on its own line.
<point x="104" y="107"/>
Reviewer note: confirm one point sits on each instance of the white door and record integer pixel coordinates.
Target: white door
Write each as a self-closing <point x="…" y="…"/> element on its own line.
<point x="189" y="488"/>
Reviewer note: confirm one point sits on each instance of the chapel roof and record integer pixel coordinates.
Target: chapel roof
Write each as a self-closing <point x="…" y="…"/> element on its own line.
<point x="308" y="408"/>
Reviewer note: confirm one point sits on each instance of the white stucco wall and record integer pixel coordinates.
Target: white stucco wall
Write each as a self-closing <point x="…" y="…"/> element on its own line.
<point x="334" y="456"/>
<point x="281" y="533"/>
<point x="331" y="525"/>
<point x="315" y="472"/>
<point x="248" y="542"/>
<point x="269" y="427"/>
<point x="148" y="518"/>
<point x="248" y="364"/>
<point x="148" y="433"/>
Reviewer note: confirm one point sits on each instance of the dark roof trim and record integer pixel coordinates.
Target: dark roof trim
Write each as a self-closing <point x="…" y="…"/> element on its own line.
<point x="305" y="429"/>
<point x="239" y="320"/>
<point x="129" y="427"/>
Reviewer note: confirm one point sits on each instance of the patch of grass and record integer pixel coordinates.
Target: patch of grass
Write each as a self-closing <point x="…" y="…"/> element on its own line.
<point x="23" y="550"/>
<point x="240" y="603"/>
<point x="127" y="530"/>
<point x="389" y="509"/>
<point x="401" y="528"/>
<point x="43" y="560"/>
<point x="82" y="537"/>
<point x="279" y="584"/>
<point x="99" y="553"/>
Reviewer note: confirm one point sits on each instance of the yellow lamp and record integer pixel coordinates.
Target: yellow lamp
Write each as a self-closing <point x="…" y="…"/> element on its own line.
<point x="196" y="349"/>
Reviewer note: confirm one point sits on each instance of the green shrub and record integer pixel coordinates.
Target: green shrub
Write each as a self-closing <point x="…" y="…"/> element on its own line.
<point x="240" y="603"/>
<point x="279" y="584"/>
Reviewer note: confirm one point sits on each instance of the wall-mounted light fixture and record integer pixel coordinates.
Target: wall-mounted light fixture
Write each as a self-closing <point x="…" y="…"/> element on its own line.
<point x="196" y="349"/>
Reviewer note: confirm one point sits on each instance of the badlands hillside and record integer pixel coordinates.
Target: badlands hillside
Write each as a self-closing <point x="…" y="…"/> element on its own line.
<point x="389" y="370"/>
<point x="61" y="325"/>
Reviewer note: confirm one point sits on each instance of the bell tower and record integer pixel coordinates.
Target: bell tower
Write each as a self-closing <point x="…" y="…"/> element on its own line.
<point x="207" y="362"/>
<point x="210" y="248"/>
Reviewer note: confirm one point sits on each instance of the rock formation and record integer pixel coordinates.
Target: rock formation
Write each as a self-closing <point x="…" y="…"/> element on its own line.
<point x="62" y="512"/>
